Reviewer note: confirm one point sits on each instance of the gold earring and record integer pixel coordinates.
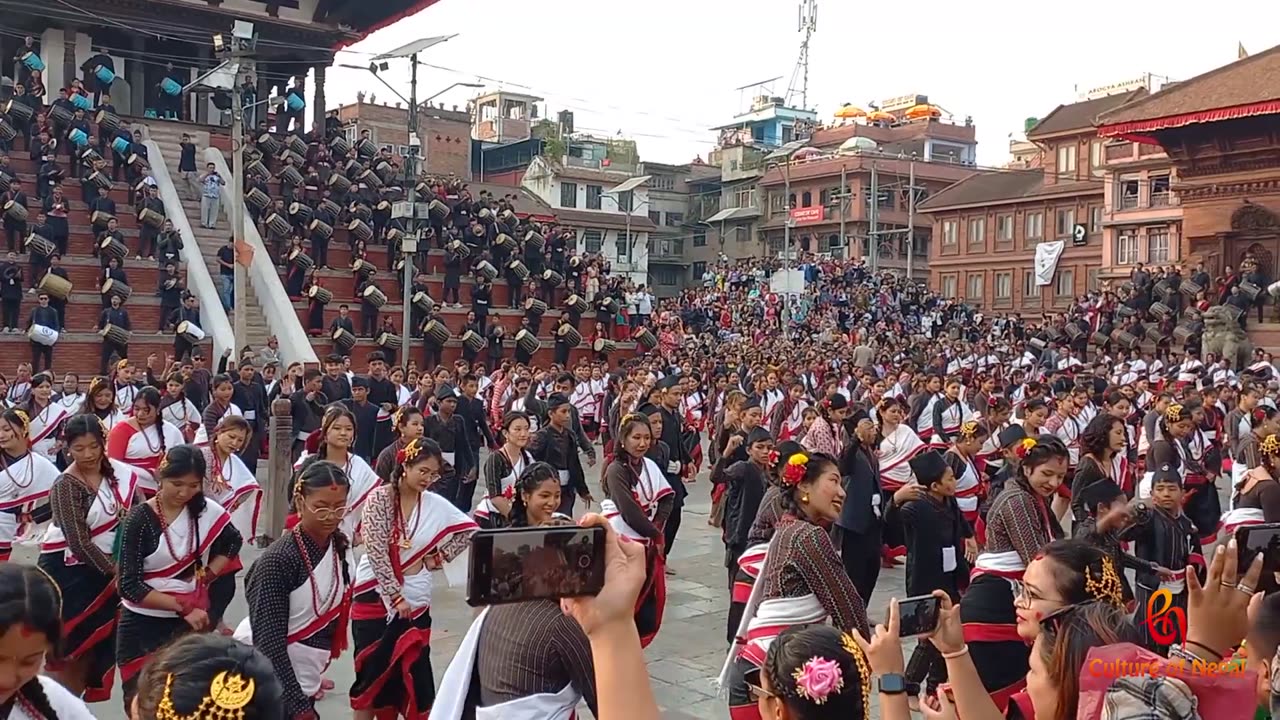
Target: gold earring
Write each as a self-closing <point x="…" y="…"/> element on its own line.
<point x="805" y="498"/>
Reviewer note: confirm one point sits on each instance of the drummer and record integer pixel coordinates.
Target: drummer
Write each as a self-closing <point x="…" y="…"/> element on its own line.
<point x="39" y="262"/>
<point x="189" y="312"/>
<point x="148" y="232"/>
<point x="59" y="305"/>
<point x="44" y="316"/>
<point x="101" y="203"/>
<point x="368" y="307"/>
<point x="55" y="211"/>
<point x="15" y="223"/>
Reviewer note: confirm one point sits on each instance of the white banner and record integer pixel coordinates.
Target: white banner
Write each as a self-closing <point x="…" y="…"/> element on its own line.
<point x="1047" y="254"/>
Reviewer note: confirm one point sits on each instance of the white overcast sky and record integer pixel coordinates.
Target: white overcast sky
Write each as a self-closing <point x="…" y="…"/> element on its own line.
<point x="664" y="71"/>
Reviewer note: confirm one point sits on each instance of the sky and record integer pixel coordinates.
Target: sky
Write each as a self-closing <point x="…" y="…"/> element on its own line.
<point x="663" y="72"/>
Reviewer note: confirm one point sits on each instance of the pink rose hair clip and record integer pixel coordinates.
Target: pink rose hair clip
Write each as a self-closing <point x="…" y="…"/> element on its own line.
<point x="818" y="679"/>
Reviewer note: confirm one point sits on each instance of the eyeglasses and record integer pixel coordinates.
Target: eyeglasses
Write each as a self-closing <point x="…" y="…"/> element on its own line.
<point x="1054" y="621"/>
<point x="754" y="685"/>
<point x="326" y="514"/>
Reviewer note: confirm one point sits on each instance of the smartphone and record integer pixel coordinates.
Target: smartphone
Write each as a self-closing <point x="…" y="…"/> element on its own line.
<point x="542" y="563"/>
<point x="1265" y="539"/>
<point x="918" y="615"/>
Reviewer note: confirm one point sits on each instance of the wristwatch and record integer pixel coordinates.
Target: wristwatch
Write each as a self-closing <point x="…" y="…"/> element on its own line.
<point x="896" y="684"/>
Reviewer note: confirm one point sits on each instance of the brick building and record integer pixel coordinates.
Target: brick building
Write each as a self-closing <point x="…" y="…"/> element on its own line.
<point x="986" y="228"/>
<point x="446" y="133"/>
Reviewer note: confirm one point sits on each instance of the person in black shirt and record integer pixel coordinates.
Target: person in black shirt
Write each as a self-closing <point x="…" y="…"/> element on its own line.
<point x="554" y="444"/>
<point x="448" y="429"/>
<point x="306" y="407"/>
<point x="59" y="306"/>
<point x="113" y="232"/>
<point x="81" y="123"/>
<point x="104" y="134"/>
<point x="14" y="229"/>
<point x="226" y="275"/>
<point x="149" y="233"/>
<point x="92" y="83"/>
<point x="55" y="209"/>
<point x="472" y="410"/>
<point x="10" y="291"/>
<point x="189" y="312"/>
<point x="670" y="397"/>
<point x="118" y="316"/>
<point x="46" y="316"/>
<point x="102" y="202"/>
<point x="368" y="310"/>
<point x="38" y="262"/>
<point x="343" y="321"/>
<point x="366" y="414"/>
<point x="251" y="395"/>
<point x="187" y="168"/>
<point x="383" y="394"/>
<point x="481" y="296"/>
<point x="335" y="385"/>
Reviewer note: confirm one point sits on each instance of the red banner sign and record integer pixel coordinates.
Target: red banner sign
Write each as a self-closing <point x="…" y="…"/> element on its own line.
<point x="808" y="215"/>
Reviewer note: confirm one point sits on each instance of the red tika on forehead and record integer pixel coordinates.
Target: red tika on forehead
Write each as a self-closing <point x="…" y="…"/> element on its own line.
<point x="27" y="631"/>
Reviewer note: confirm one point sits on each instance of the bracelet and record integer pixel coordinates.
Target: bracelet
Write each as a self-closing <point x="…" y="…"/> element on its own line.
<point x="964" y="650"/>
<point x="1213" y="654"/>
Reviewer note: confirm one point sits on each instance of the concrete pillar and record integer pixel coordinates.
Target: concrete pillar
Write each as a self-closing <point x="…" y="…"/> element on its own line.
<point x="205" y="61"/>
<point x="70" y="68"/>
<point x="318" y="102"/>
<point x="136" y="73"/>
<point x="277" y="494"/>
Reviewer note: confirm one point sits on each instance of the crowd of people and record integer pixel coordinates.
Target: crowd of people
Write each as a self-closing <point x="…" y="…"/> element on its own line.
<point x="1022" y="468"/>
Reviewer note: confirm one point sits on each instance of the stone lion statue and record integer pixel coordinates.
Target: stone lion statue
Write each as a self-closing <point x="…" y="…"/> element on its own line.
<point x="1224" y="337"/>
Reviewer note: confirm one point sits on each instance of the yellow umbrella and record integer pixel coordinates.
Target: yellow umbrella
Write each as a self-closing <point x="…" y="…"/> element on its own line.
<point x="880" y="116"/>
<point x="850" y="111"/>
<point x="920" y="111"/>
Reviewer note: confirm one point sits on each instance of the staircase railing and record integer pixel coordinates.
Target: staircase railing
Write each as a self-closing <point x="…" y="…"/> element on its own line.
<point x="213" y="319"/>
<point x="273" y="301"/>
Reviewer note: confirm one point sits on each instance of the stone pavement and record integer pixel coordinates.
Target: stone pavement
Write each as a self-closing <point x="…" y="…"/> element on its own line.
<point x="684" y="660"/>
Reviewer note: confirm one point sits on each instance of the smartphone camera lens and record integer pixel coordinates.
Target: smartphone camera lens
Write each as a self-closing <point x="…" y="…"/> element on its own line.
<point x="584" y="561"/>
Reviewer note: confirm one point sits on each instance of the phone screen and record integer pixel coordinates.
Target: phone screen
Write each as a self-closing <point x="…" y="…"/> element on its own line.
<point x="1265" y="539"/>
<point x="519" y="564"/>
<point x="918" y="615"/>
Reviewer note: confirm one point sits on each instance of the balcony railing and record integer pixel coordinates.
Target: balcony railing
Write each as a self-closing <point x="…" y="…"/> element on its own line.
<point x="1161" y="199"/>
<point x="1128" y="202"/>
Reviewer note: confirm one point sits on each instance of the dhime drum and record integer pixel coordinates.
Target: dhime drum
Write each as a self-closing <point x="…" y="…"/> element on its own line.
<point x="505" y="242"/>
<point x="438" y="210"/>
<point x="258" y="170"/>
<point x="569" y="335"/>
<point x="528" y="342"/>
<point x="645" y="338"/>
<point x="112" y="247"/>
<point x="366" y="149"/>
<point x="344" y="339"/>
<point x="435" y="333"/>
<point x="99" y="179"/>
<point x="390" y="341"/>
<point x="116" y="288"/>
<point x="40" y="245"/>
<point x="363" y="268"/>
<point x="604" y="346"/>
<point x="518" y="270"/>
<point x="257" y="199"/>
<point x="278" y="224"/>
<point x="301" y="260"/>
<point x="289" y="174"/>
<point x="42" y="335"/>
<point x="108" y="122"/>
<point x="374" y="296"/>
<point x="269" y="144"/>
<point x="422" y="302"/>
<point x="1189" y="288"/>
<point x="190" y="332"/>
<point x="301" y="213"/>
<point x="1249" y="290"/>
<point x="487" y="269"/>
<point x="151" y="218"/>
<point x="321" y="229"/>
<point x="459" y="249"/>
<point x="330" y="208"/>
<point x="607" y="306"/>
<point x="321" y="295"/>
<point x="15" y="211"/>
<point x="1099" y="338"/>
<point x="576" y="304"/>
<point x="474" y="341"/>
<point x="535" y="306"/>
<point x="535" y="240"/>
<point x="296" y="145"/>
<point x="370" y="178"/>
<point x="57" y="286"/>
<point x="339" y="146"/>
<point x="360" y="211"/>
<point x="339" y="184"/>
<point x="361" y="230"/>
<point x="1125" y="339"/>
<point x="551" y="278"/>
<point x="116" y="335"/>
<point x="19" y="113"/>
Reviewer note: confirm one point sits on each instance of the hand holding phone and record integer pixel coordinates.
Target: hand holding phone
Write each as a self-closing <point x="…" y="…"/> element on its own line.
<point x="542" y="563"/>
<point x="1264" y="539"/>
<point x="918" y="615"/>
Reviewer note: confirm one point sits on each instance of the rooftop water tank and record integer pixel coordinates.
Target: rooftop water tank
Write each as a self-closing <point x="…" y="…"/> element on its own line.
<point x="1029" y="123"/>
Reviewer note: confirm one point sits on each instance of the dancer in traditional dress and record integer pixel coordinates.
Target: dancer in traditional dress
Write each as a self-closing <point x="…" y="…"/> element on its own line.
<point x="962" y="456"/>
<point x="827" y="433"/>
<point x="89" y="500"/>
<point x="898" y="444"/>
<point x="31" y="603"/>
<point x="100" y="401"/>
<point x="70" y="397"/>
<point x="408" y="531"/>
<point x="502" y="469"/>
<point x="221" y="388"/>
<point x="746" y="481"/>
<point x="407" y="425"/>
<point x="298" y="590"/>
<point x="332" y="443"/>
<point x="638" y="502"/>
<point x="124" y="386"/>
<point x="788" y="416"/>
<point x="46" y="416"/>
<point x="174" y="547"/>
<point x="1102" y="443"/>
<point x="1019" y="523"/>
<point x="25" y="481"/>
<point x="950" y="412"/>
<point x="208" y="676"/>
<point x="177" y="409"/>
<point x="802" y="581"/>
<point x="143" y="439"/>
<point x="229" y="483"/>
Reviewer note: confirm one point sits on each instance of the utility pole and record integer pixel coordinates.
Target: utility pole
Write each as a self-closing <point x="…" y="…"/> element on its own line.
<point x="236" y="212"/>
<point x="843" y="198"/>
<point x="409" y="248"/>
<point x="786" y="226"/>
<point x="911" y="217"/>
<point x="873" y="221"/>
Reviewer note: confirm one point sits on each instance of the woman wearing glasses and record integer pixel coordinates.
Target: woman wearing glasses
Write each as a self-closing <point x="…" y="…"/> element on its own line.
<point x="408" y="532"/>
<point x="298" y="591"/>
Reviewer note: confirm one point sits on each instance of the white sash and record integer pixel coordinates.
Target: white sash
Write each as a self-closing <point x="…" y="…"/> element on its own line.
<point x="243" y="495"/>
<point x="451" y="698"/>
<point x="24" y="484"/>
<point x="61" y="701"/>
<point x="202" y="435"/>
<point x="752" y="560"/>
<point x="895" y="451"/>
<point x="1239" y="517"/>
<point x="650" y="489"/>
<point x="143" y="453"/>
<point x="1006" y="564"/>
<point x="436" y="521"/>
<point x="543" y="706"/>
<point x="103" y="518"/>
<point x="161" y="568"/>
<point x="44" y="429"/>
<point x="967" y="486"/>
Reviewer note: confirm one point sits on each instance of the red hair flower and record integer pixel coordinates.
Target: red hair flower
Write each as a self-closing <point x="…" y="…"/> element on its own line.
<point x="794" y="470"/>
<point x="774" y="457"/>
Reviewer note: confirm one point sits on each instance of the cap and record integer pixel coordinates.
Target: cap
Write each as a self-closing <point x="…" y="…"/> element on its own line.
<point x="1102" y="491"/>
<point x="858" y="416"/>
<point x="647" y="409"/>
<point x="1011" y="435"/>
<point x="376" y="356"/>
<point x="928" y="467"/>
<point x="758" y="434"/>
<point x="446" y="392"/>
<point x="360" y="381"/>
<point x="1166" y="473"/>
<point x="668" y="382"/>
<point x="751" y="402"/>
<point x="556" y="400"/>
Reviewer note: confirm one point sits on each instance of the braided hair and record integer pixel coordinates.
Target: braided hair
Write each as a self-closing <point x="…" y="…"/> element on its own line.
<point x="528" y="482"/>
<point x="183" y="672"/>
<point x="29" y="598"/>
<point x="332" y="414"/>
<point x="89" y="424"/>
<point x="314" y="474"/>
<point x="180" y="462"/>
<point x="802" y="647"/>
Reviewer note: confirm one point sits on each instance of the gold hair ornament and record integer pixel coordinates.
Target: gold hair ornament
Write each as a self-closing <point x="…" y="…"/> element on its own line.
<point x="1173" y="413"/>
<point x="1270" y="445"/>
<point x="969" y="430"/>
<point x="26" y="420"/>
<point x="229" y="694"/>
<point x="1105" y="585"/>
<point x="852" y="647"/>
